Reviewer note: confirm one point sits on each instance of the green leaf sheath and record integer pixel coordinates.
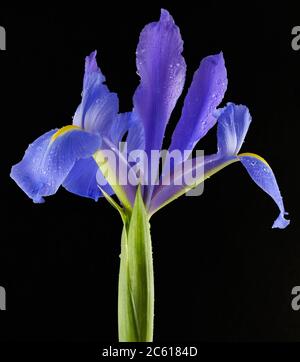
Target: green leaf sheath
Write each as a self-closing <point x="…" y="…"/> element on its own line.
<point x="136" y="284"/>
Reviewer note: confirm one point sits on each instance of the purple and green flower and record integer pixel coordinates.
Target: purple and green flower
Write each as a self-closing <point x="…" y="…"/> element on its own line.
<point x="74" y="156"/>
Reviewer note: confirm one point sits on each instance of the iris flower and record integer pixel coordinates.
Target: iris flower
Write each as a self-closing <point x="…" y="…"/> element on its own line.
<point x="74" y="156"/>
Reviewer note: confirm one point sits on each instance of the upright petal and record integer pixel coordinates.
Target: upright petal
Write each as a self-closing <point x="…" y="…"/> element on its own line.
<point x="50" y="158"/>
<point x="82" y="179"/>
<point x="98" y="107"/>
<point x="233" y="123"/>
<point x="205" y="94"/>
<point x="162" y="71"/>
<point x="119" y="127"/>
<point x="130" y="124"/>
<point x="136" y="134"/>
<point x="262" y="174"/>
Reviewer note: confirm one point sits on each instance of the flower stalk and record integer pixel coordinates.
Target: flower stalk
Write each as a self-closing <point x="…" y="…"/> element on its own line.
<point x="136" y="282"/>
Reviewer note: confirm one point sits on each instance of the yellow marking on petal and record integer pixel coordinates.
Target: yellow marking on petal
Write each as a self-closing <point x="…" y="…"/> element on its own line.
<point x="63" y="130"/>
<point x="254" y="155"/>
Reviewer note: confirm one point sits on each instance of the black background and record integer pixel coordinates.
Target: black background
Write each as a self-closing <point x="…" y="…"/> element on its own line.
<point x="221" y="272"/>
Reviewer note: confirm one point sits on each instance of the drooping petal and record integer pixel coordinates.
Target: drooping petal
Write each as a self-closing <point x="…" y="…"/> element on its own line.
<point x="50" y="158"/>
<point x="258" y="169"/>
<point x="162" y="71"/>
<point x="204" y="95"/>
<point x="26" y="173"/>
<point x="98" y="107"/>
<point x="233" y="124"/>
<point x="262" y="174"/>
<point x="82" y="179"/>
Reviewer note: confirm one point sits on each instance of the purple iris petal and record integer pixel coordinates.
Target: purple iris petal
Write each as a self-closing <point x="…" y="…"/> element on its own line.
<point x="136" y="134"/>
<point x="119" y="127"/>
<point x="47" y="162"/>
<point x="162" y="71"/>
<point x="82" y="179"/>
<point x="128" y="122"/>
<point x="205" y="94"/>
<point x="98" y="106"/>
<point x="233" y="124"/>
<point x="262" y="174"/>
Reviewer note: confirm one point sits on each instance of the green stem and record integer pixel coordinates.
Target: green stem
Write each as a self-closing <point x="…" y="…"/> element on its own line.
<point x="136" y="282"/>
